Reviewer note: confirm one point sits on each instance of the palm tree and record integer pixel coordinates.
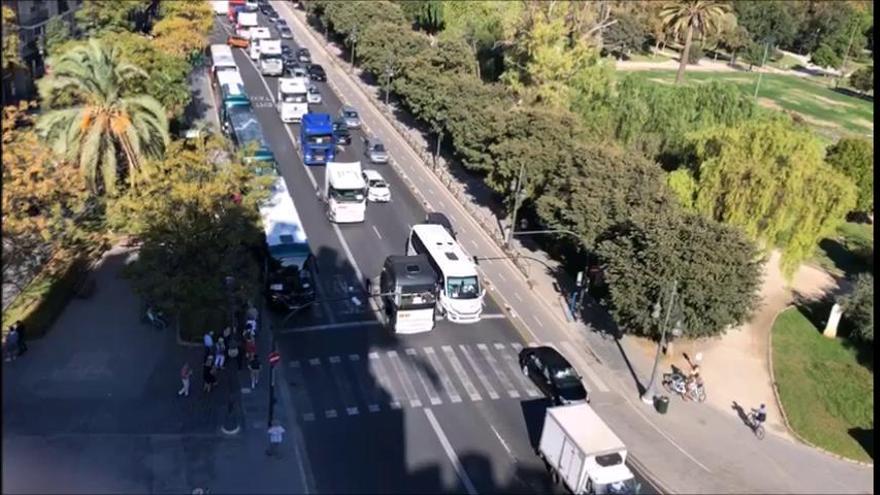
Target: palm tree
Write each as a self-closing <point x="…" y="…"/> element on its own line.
<point x="702" y="16"/>
<point x="106" y="123"/>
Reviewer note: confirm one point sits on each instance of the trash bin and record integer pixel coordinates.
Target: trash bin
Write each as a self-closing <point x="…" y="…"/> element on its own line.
<point x="661" y="403"/>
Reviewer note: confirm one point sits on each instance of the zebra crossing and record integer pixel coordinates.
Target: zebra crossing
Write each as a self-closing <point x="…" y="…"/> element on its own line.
<point x="329" y="387"/>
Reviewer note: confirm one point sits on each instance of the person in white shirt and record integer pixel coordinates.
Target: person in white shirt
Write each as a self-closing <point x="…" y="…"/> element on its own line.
<point x="276" y="435"/>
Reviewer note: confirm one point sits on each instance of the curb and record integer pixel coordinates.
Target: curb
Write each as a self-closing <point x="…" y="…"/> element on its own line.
<point x="788" y="427"/>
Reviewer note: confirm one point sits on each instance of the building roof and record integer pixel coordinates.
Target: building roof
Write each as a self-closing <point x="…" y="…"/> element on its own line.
<point x="281" y="222"/>
<point x="586" y="429"/>
<point x="411" y="270"/>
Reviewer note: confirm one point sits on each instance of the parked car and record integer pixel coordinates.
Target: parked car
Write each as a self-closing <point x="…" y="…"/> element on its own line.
<point x="297" y="71"/>
<point x="316" y="73"/>
<point x="350" y="116"/>
<point x="264" y="7"/>
<point x="285" y="33"/>
<point x="271" y="14"/>
<point x="377" y="188"/>
<point x="236" y="41"/>
<point x="553" y="374"/>
<point x="304" y="56"/>
<point x="437" y="218"/>
<point x="340" y="130"/>
<point x="314" y="96"/>
<point x="375" y="150"/>
<point x="280" y="23"/>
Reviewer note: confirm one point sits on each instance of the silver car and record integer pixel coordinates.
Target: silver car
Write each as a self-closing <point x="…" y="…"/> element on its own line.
<point x="375" y="150"/>
<point x="314" y="96"/>
<point x="351" y="117"/>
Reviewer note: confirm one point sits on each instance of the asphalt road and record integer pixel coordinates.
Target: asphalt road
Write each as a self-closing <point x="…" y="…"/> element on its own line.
<point x="445" y="411"/>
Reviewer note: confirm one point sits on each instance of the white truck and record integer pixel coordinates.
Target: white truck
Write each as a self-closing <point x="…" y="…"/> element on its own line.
<point x="292" y="99"/>
<point x="581" y="450"/>
<point x="345" y="192"/>
<point x="257" y="35"/>
<point x="271" y="63"/>
<point x="220" y="7"/>
<point x="244" y="22"/>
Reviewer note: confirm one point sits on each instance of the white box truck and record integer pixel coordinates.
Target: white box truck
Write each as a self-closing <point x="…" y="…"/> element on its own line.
<point x="292" y="99"/>
<point x="220" y="7"/>
<point x="271" y="63"/>
<point x="244" y="22"/>
<point x="345" y="192"/>
<point x="582" y="451"/>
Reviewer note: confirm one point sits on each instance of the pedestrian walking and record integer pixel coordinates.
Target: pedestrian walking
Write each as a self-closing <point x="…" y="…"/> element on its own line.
<point x="252" y="312"/>
<point x="220" y="354"/>
<point x="227" y="332"/>
<point x="276" y="436"/>
<point x="209" y="342"/>
<point x="208" y="373"/>
<point x="10" y="344"/>
<point x="22" y="337"/>
<point x="185" y="374"/>
<point x="250" y="326"/>
<point x="250" y="347"/>
<point x="234" y="351"/>
<point x="254" y="366"/>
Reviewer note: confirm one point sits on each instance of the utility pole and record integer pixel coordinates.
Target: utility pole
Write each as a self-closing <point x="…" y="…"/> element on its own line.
<point x="761" y="74"/>
<point x="648" y="395"/>
<point x="353" y="37"/>
<point x="517" y="187"/>
<point x="845" y="57"/>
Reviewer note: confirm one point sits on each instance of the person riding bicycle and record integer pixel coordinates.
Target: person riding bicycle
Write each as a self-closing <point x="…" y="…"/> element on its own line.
<point x="692" y="382"/>
<point x="760" y="415"/>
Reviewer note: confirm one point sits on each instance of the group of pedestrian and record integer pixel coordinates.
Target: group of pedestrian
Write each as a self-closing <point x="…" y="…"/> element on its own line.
<point x="14" y="345"/>
<point x="231" y="344"/>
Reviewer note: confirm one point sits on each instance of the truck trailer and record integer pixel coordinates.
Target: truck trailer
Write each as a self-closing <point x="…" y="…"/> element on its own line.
<point x="579" y="449"/>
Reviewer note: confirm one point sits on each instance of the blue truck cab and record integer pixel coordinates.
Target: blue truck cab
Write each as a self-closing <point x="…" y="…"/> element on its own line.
<point x="316" y="138"/>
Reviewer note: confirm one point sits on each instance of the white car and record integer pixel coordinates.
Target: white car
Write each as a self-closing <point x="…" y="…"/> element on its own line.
<point x="377" y="189"/>
<point x="314" y="96"/>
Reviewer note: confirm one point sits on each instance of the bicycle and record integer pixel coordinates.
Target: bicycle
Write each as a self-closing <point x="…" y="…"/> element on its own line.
<point x="757" y="427"/>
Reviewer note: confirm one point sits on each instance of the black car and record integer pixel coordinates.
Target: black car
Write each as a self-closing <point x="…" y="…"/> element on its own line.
<point x="285" y="33"/>
<point x="264" y="7"/>
<point x="271" y="14"/>
<point x="280" y="23"/>
<point x="341" y="132"/>
<point x="552" y="373"/>
<point x="304" y="56"/>
<point x="437" y="218"/>
<point x="316" y="73"/>
<point x="289" y="60"/>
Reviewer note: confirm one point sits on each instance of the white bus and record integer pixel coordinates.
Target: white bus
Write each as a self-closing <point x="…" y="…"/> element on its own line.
<point x="221" y="59"/>
<point x="292" y="99"/>
<point x="460" y="294"/>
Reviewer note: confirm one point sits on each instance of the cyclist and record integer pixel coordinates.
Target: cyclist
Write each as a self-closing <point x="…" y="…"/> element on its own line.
<point x="760" y="416"/>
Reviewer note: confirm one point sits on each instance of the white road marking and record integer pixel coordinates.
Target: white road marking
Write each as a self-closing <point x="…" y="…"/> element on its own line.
<point x="503" y="443"/>
<point x="473" y="243"/>
<point x="377" y="232"/>
<point x="538" y="320"/>
<point x="501" y="276"/>
<point x="448" y="386"/>
<point x="330" y="326"/>
<point x="462" y="374"/>
<point x="513" y="366"/>
<point x="518" y="296"/>
<point x="408" y="387"/>
<point x="384" y="380"/>
<point x="479" y="371"/>
<point x="338" y="374"/>
<point x="493" y="363"/>
<point x="493" y="316"/>
<point x="427" y="384"/>
<point x="516" y="346"/>
<point x="330" y="413"/>
<point x="450" y="453"/>
<point x="575" y="354"/>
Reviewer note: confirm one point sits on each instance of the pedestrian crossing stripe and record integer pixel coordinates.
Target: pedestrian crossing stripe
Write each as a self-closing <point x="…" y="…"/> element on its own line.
<point x="349" y="384"/>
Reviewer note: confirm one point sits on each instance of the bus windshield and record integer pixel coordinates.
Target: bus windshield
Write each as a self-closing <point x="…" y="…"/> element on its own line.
<point x="462" y="287"/>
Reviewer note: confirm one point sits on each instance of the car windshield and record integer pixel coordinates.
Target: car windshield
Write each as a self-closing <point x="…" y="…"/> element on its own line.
<point x="378" y="184"/>
<point x="347" y="195"/>
<point x="462" y="287"/>
<point x="319" y="139"/>
<point x="270" y="56"/>
<point x="564" y="374"/>
<point x="284" y="30"/>
<point x="378" y="148"/>
<point x="313" y="90"/>
<point x="317" y="68"/>
<point x="350" y="114"/>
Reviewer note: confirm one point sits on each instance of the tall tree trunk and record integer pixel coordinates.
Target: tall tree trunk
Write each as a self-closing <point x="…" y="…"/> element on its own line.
<point x="476" y="59"/>
<point x="679" y="78"/>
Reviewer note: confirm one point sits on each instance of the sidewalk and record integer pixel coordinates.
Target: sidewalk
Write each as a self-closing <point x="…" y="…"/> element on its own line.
<point x="618" y="360"/>
<point x="92" y="407"/>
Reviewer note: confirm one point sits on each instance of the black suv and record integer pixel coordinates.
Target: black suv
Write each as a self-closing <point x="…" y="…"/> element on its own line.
<point x="304" y="56"/>
<point x="316" y="73"/>
<point x="552" y="373"/>
<point x="341" y="132"/>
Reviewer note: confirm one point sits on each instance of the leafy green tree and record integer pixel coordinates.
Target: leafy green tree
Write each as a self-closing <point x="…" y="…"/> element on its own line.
<point x="385" y="47"/>
<point x="57" y="33"/>
<point x="855" y="158"/>
<point x="106" y="123"/>
<point x="776" y="21"/>
<point x="825" y="56"/>
<point x="486" y="27"/>
<point x="682" y="184"/>
<point x="863" y="79"/>
<point x="769" y="178"/>
<point x="428" y="15"/>
<point x="11" y="41"/>
<point x="95" y="17"/>
<point x="625" y="36"/>
<point x="734" y="41"/>
<point x="193" y="234"/>
<point x="716" y="268"/>
<point x="832" y="24"/>
<point x="858" y="308"/>
<point x="689" y="16"/>
<point x="695" y="54"/>
<point x="475" y="113"/>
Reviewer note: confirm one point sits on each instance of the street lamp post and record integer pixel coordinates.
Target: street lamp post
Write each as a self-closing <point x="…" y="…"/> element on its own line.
<point x="353" y="37"/>
<point x="767" y="43"/>
<point x="648" y="395"/>
<point x="389" y="72"/>
<point x="516" y="188"/>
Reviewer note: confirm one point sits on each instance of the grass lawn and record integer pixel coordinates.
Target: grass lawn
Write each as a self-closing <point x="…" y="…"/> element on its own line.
<point x="827" y="395"/>
<point x="831" y="113"/>
<point x="849" y="251"/>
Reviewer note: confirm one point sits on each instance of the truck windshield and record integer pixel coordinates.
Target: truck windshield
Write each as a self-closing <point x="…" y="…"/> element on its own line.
<point x="347" y="195"/>
<point x="462" y="287"/>
<point x="606" y="460"/>
<point x="625" y="487"/>
<point x="422" y="300"/>
<point x="293" y="97"/>
<point x="319" y="139"/>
